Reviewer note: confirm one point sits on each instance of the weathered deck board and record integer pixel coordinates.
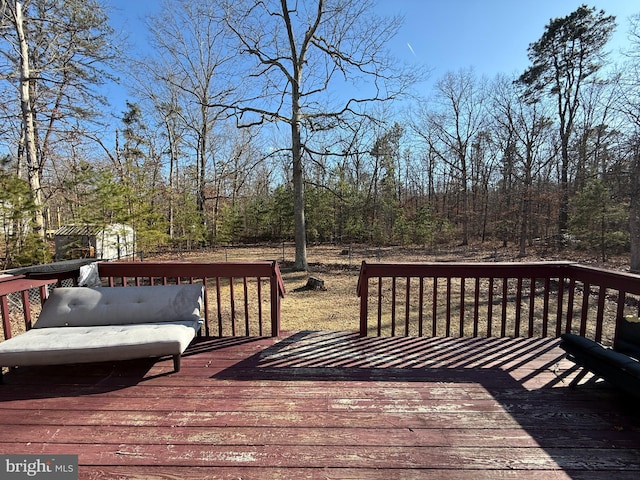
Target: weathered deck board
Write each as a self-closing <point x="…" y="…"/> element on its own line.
<point x="328" y="405"/>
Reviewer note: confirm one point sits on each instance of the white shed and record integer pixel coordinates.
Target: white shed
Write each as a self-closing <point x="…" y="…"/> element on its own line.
<point x="91" y="241"/>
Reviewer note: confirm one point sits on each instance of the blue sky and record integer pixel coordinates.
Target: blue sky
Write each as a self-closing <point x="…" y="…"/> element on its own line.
<point x="491" y="36"/>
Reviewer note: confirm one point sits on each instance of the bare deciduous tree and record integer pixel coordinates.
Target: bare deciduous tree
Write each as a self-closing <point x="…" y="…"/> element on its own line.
<point x="310" y="65"/>
<point x="456" y="119"/>
<point x="189" y="65"/>
<point x="525" y="132"/>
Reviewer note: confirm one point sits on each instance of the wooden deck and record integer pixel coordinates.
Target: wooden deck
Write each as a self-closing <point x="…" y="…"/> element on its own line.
<point x="326" y="405"/>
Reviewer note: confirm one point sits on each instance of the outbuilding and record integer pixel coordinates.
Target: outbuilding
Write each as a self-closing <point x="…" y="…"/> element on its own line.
<point x="108" y="242"/>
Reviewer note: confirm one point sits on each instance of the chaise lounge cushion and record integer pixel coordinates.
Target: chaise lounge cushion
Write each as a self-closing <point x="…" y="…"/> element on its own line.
<point x="79" y="306"/>
<point x="63" y="345"/>
<point x="80" y="325"/>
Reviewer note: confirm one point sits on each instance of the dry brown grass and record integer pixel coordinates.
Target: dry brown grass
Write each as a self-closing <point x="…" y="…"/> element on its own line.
<point x="336" y="308"/>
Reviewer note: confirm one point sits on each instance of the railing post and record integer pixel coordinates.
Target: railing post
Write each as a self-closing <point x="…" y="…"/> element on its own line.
<point x="4" y="310"/>
<point x="363" y="292"/>
<point x="275" y="300"/>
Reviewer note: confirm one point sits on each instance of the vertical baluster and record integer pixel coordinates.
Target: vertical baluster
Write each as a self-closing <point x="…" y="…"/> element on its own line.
<point x="602" y="293"/>
<point x="421" y="307"/>
<point x="232" y="299"/>
<point x="505" y="292"/>
<point x="26" y="309"/>
<point x="545" y="307"/>
<point x="490" y="308"/>
<point x="560" y="306"/>
<point x="260" y="332"/>
<point x="6" y="322"/>
<point x="462" y="292"/>
<point x="44" y="293"/>
<point x="219" y="306"/>
<point x="518" y="306"/>
<point x="393" y="306"/>
<point x="532" y="297"/>
<point x="434" y="319"/>
<point x="407" y="307"/>
<point x="205" y="306"/>
<point x="448" y="307"/>
<point x="246" y="307"/>
<point x="570" y="300"/>
<point x="619" y="313"/>
<point x="379" y="306"/>
<point x="585" y="308"/>
<point x="476" y="306"/>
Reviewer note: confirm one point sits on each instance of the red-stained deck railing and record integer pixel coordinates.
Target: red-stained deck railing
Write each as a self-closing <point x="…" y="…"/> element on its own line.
<point x="494" y="299"/>
<point x="20" y="286"/>
<point x="436" y="299"/>
<point x="242" y="299"/>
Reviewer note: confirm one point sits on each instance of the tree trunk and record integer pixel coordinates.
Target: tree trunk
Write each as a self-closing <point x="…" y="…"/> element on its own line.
<point x="563" y="216"/>
<point x="202" y="161"/>
<point x="33" y="167"/>
<point x="634" y="212"/>
<point x="464" y="205"/>
<point x="298" y="197"/>
<point x="173" y="167"/>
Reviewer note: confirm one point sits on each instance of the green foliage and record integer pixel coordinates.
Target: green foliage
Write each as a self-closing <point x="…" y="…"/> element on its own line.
<point x="151" y="231"/>
<point x="386" y="150"/>
<point x="402" y="229"/>
<point x="425" y="227"/>
<point x="354" y="228"/>
<point x="256" y="215"/>
<point x="189" y="229"/>
<point x="280" y="213"/>
<point x="103" y="199"/>
<point x="21" y="246"/>
<point x="231" y="225"/>
<point x="100" y="197"/>
<point x="320" y="216"/>
<point x="599" y="222"/>
<point x="569" y="51"/>
<point x="31" y="251"/>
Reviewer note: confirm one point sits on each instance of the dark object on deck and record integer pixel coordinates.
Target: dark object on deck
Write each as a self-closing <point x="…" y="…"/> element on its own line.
<point x="619" y="365"/>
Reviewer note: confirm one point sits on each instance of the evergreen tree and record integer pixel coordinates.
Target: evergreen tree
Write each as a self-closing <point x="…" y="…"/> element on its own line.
<point x="569" y="54"/>
<point x="21" y="245"/>
<point x="598" y="220"/>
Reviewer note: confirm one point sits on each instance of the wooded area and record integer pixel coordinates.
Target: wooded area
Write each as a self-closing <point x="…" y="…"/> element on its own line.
<point x="262" y="121"/>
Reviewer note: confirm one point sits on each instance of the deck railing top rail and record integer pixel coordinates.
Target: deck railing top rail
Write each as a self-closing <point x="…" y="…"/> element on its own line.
<point x="458" y="269"/>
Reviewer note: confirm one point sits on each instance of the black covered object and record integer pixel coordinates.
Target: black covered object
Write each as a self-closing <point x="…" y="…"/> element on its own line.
<point x="619" y="365"/>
